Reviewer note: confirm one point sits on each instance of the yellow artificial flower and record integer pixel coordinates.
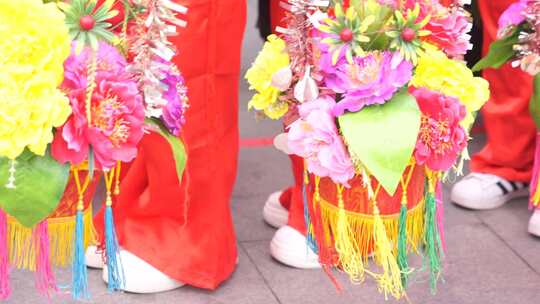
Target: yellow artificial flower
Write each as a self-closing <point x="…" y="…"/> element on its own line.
<point x="272" y="58"/>
<point x="437" y="72"/>
<point x="34" y="45"/>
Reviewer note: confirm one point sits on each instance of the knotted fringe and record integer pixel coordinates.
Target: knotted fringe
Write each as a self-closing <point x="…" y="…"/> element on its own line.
<point x="310" y="239"/>
<point x="5" y="288"/>
<point x="433" y="249"/>
<point x="22" y="251"/>
<point x="389" y="280"/>
<point x="79" y="283"/>
<point x="534" y="201"/>
<point x="44" y="275"/>
<point x="346" y="245"/>
<point x="115" y="271"/>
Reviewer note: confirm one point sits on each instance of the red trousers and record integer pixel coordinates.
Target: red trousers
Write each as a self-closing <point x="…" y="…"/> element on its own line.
<point x="185" y="229"/>
<point x="511" y="132"/>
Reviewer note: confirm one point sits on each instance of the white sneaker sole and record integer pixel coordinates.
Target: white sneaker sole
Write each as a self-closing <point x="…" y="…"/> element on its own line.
<point x="284" y="255"/>
<point x="274" y="214"/>
<point x="141" y="277"/>
<point x="534" y="227"/>
<point x="489" y="204"/>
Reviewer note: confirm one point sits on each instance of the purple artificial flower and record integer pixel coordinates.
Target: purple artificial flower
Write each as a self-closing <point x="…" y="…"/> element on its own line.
<point x="512" y="16"/>
<point x="372" y="79"/>
<point x="176" y="96"/>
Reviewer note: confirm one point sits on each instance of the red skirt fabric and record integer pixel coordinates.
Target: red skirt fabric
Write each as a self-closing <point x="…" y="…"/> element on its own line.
<point x="185" y="229"/>
<point x="511" y="132"/>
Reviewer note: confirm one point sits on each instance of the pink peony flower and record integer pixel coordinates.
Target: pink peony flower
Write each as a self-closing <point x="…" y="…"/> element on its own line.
<point x="369" y="80"/>
<point x="512" y="16"/>
<point x="441" y="137"/>
<point x="314" y="136"/>
<point x="176" y="96"/>
<point x="117" y="116"/>
<point x="450" y="31"/>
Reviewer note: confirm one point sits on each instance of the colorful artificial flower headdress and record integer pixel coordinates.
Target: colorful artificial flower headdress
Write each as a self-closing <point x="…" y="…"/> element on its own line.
<point x="81" y="83"/>
<point x="380" y="99"/>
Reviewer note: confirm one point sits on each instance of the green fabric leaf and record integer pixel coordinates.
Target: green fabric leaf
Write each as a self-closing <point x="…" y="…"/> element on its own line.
<point x="40" y="182"/>
<point x="534" y="105"/>
<point x="177" y="146"/>
<point x="382" y="137"/>
<point x="500" y="52"/>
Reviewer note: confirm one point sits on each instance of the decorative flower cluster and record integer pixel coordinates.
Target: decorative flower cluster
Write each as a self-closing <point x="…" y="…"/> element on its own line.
<point x="363" y="56"/>
<point x="521" y="23"/>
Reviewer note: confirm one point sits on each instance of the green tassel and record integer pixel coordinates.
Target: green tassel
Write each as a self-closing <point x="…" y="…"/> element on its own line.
<point x="432" y="241"/>
<point x="402" y="258"/>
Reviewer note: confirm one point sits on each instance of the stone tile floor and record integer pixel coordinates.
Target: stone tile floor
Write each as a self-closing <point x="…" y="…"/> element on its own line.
<point x="490" y="259"/>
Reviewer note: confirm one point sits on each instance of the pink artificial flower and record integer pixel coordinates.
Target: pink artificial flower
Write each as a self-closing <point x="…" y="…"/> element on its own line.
<point x="314" y="137"/>
<point x="117" y="116"/>
<point x="450" y="31"/>
<point x="441" y="137"/>
<point x="512" y="16"/>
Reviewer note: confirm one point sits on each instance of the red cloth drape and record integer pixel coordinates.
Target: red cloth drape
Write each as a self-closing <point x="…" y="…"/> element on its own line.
<point x="510" y="130"/>
<point x="185" y="230"/>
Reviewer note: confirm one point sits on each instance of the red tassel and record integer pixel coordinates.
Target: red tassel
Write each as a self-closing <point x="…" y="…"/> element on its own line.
<point x="44" y="276"/>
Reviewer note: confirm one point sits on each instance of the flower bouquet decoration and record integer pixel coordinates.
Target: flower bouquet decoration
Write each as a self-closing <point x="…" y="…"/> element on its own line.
<point x="82" y="82"/>
<point x="380" y="104"/>
<point x="518" y="43"/>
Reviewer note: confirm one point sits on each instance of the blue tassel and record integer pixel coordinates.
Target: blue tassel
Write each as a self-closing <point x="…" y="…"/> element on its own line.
<point x="310" y="237"/>
<point x="114" y="265"/>
<point x="79" y="277"/>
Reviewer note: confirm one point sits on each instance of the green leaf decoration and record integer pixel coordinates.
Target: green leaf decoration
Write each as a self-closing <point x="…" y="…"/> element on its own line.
<point x="382" y="138"/>
<point x="500" y="52"/>
<point x="177" y="146"/>
<point x="534" y="105"/>
<point x="40" y="182"/>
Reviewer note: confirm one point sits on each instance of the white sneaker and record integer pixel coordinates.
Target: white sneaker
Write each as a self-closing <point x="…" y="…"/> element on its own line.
<point x="534" y="223"/>
<point x="93" y="258"/>
<point x="481" y="191"/>
<point x="141" y="277"/>
<point x="290" y="248"/>
<point x="274" y="213"/>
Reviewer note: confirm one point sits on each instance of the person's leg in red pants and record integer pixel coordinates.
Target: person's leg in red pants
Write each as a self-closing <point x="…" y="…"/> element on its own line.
<point x="289" y="244"/>
<point x="502" y="169"/>
<point x="185" y="230"/>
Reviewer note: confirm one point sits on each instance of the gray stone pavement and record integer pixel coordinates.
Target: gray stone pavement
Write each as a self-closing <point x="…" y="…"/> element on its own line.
<point x="490" y="259"/>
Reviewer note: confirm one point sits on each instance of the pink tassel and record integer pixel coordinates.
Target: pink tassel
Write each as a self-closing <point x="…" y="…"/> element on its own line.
<point x="535" y="172"/>
<point x="5" y="289"/>
<point x="45" y="279"/>
<point x="440" y="214"/>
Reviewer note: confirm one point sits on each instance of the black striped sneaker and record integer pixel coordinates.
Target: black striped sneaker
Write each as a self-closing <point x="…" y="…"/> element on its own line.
<point x="481" y="191"/>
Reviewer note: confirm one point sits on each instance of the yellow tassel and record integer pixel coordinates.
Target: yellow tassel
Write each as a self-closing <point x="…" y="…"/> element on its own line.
<point x="61" y="232"/>
<point x="390" y="279"/>
<point x="536" y="195"/>
<point x="350" y="257"/>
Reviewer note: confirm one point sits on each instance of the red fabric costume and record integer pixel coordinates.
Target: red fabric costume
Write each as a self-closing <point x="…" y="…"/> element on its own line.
<point x="292" y="197"/>
<point x="185" y="230"/>
<point x="511" y="132"/>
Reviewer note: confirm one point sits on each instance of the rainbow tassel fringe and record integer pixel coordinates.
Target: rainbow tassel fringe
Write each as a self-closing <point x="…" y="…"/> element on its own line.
<point x="44" y="275"/>
<point x="534" y="201"/>
<point x="5" y="288"/>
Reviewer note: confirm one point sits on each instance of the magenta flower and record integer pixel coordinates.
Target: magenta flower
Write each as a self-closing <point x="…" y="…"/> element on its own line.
<point x="369" y="80"/>
<point x="512" y="16"/>
<point x="315" y="138"/>
<point x="441" y="137"/>
<point x="176" y="96"/>
<point x="117" y="114"/>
